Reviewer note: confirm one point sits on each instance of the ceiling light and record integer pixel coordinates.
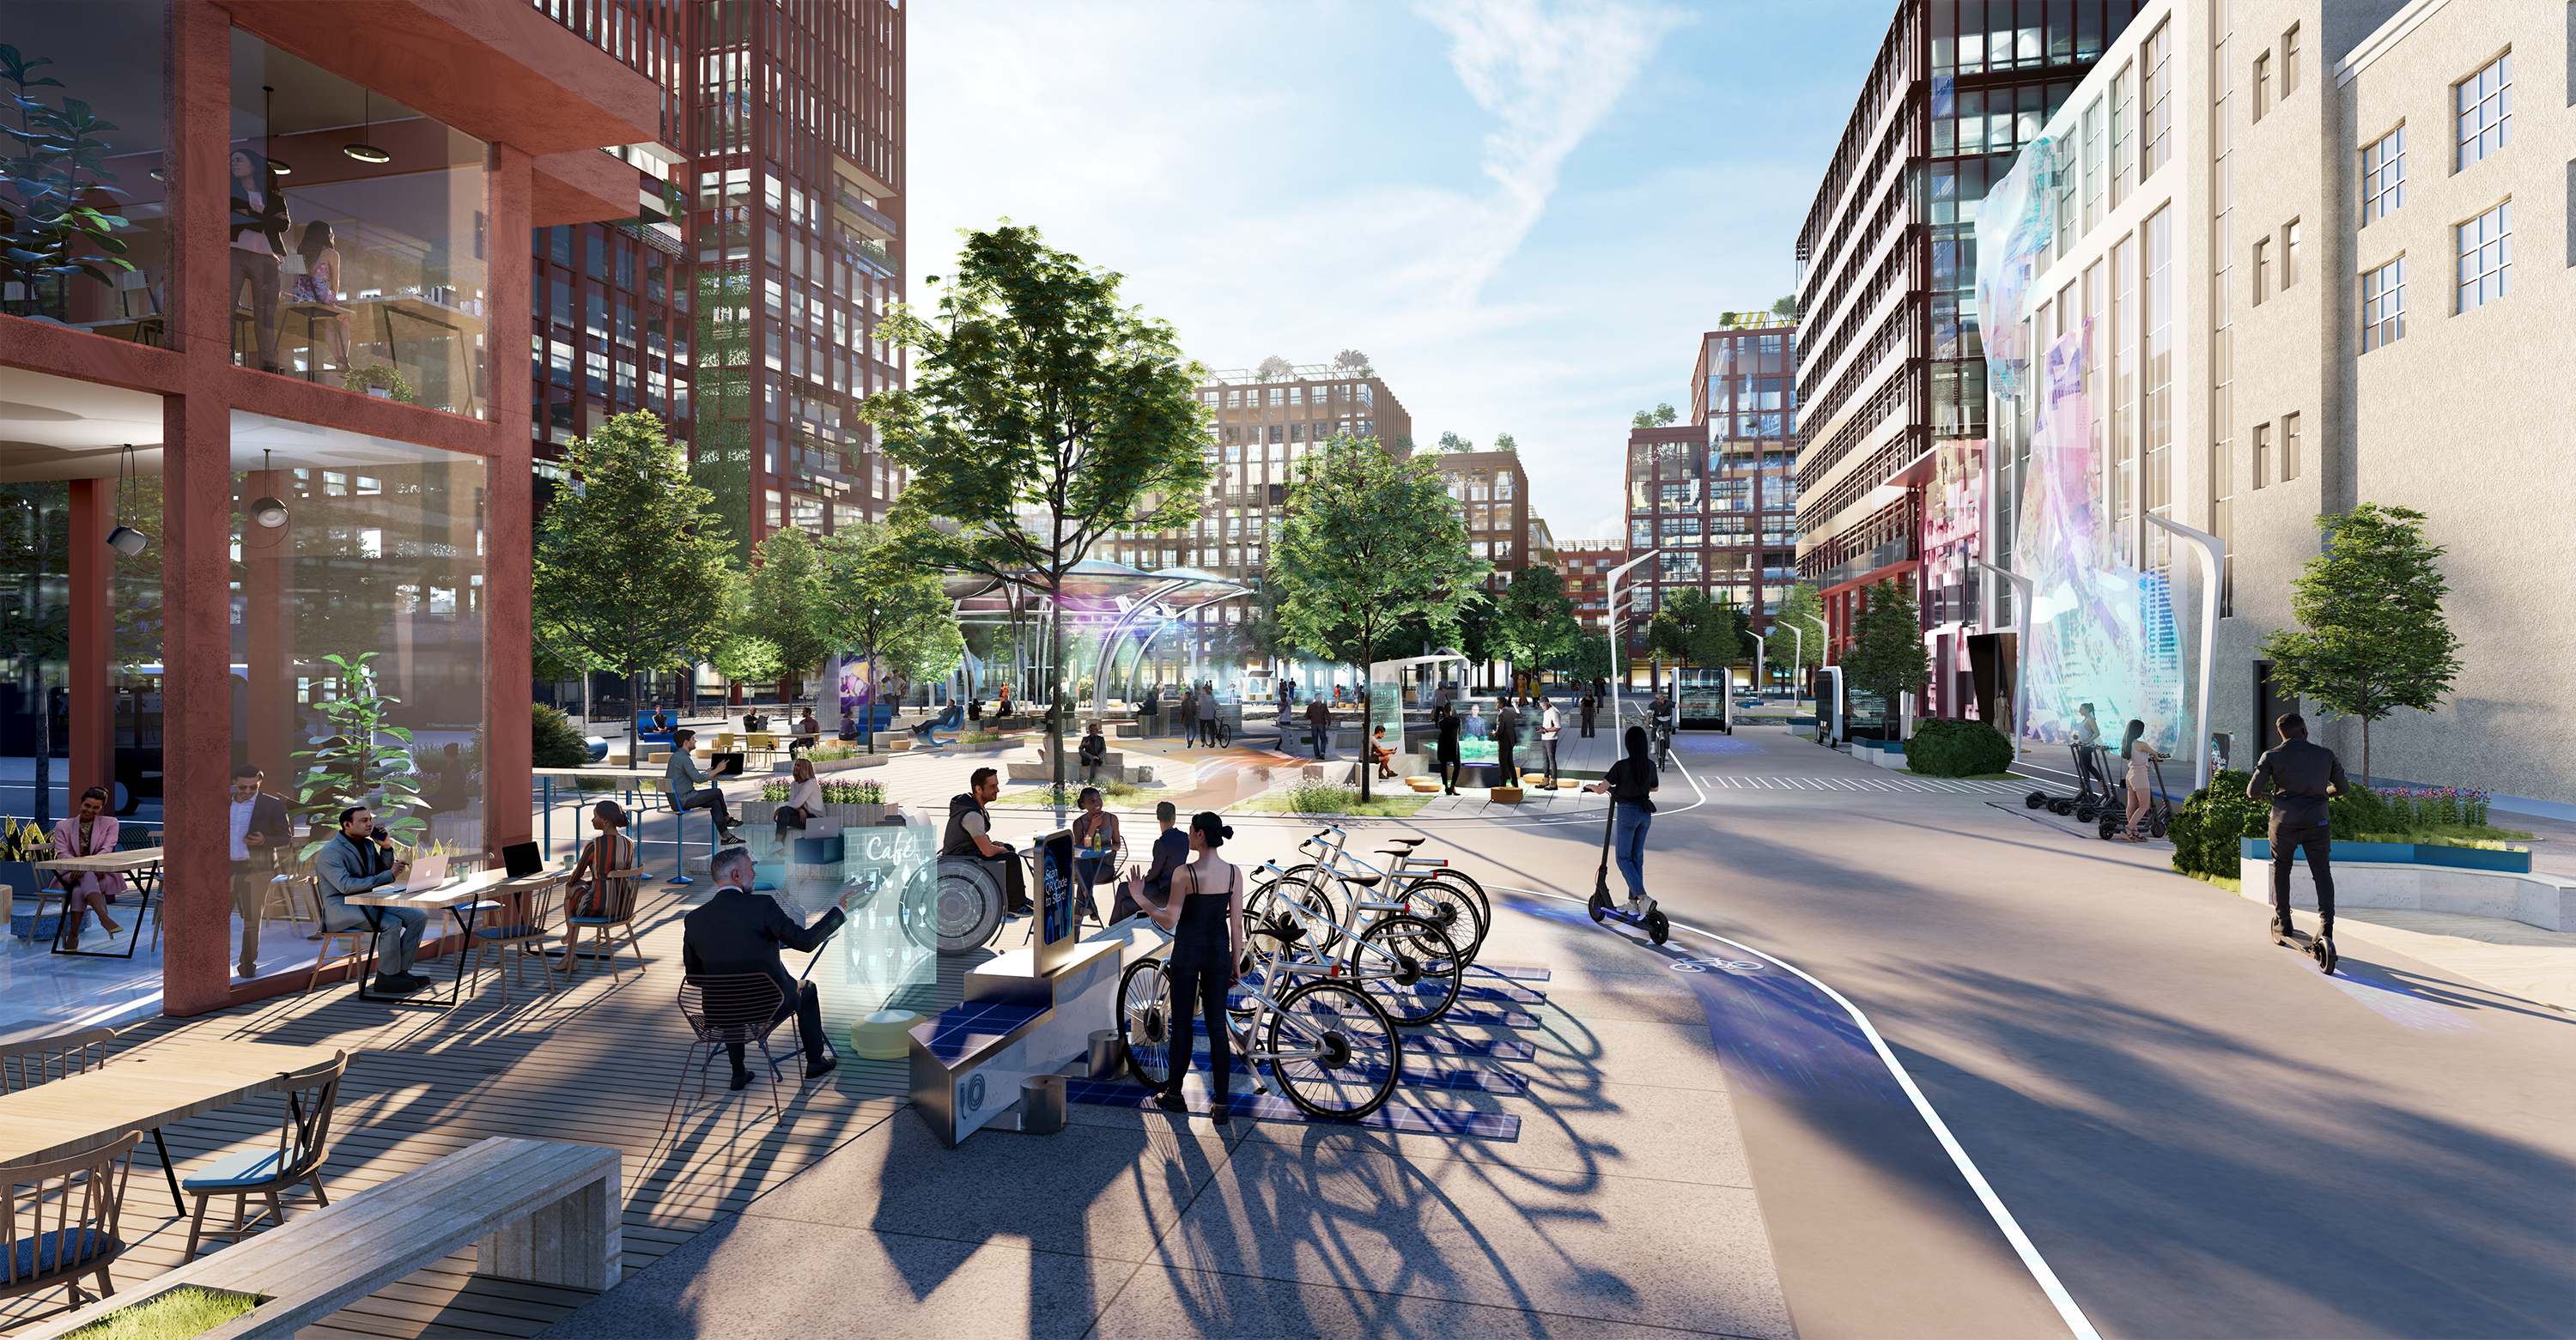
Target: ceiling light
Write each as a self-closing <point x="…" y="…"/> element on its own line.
<point x="363" y="151"/>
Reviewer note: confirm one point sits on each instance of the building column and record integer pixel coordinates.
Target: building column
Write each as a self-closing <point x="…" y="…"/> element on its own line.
<point x="508" y="521"/>
<point x="93" y="642"/>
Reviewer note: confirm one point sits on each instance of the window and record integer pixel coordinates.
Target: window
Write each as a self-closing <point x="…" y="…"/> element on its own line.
<point x="2262" y="268"/>
<point x="2383" y="175"/>
<point x="2486" y="257"/>
<point x="2486" y="111"/>
<point x="2156" y="91"/>
<point x="2092" y="164"/>
<point x="2262" y="454"/>
<point x="2262" y="83"/>
<point x="2289" y="254"/>
<point x="2290" y="61"/>
<point x="2123" y="125"/>
<point x="2383" y="305"/>
<point x="2289" y="447"/>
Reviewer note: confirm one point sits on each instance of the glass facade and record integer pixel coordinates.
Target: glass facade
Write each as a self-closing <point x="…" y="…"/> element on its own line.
<point x="104" y="58"/>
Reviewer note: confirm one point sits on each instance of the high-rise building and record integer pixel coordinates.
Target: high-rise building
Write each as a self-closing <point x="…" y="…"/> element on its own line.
<point x="1585" y="565"/>
<point x="740" y="298"/>
<point x="1492" y="490"/>
<point x="1893" y="365"/>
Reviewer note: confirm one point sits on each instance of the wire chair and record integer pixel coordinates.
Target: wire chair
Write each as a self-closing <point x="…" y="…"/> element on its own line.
<point x="310" y="1096"/>
<point x="728" y="1010"/>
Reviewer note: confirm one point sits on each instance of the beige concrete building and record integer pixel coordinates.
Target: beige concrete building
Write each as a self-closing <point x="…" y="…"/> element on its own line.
<point x="2275" y="240"/>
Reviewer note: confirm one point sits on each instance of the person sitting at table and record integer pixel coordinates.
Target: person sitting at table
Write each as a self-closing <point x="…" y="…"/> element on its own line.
<point x="970" y="835"/>
<point x="804" y="800"/>
<point x="691" y="789"/>
<point x="738" y="931"/>
<point x="92" y="832"/>
<point x="361" y="860"/>
<point x="612" y="850"/>
<point x="260" y="829"/>
<point x="1095" y="845"/>
<point x="809" y="733"/>
<point x="1095" y="752"/>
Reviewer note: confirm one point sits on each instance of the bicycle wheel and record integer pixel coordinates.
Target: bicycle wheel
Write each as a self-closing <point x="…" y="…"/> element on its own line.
<point x="1335" y="1054"/>
<point x="1449" y="907"/>
<point x="1410" y="967"/>
<point x="1145" y="1021"/>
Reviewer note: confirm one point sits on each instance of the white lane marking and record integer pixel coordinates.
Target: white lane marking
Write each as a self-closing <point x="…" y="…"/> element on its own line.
<point x="2067" y="1309"/>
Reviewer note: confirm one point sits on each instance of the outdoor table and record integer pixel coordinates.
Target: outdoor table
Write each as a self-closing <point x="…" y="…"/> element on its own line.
<point x="143" y="863"/>
<point x="461" y="901"/>
<point x="142" y="1090"/>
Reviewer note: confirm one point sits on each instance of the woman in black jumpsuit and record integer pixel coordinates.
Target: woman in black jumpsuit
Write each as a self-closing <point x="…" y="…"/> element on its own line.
<point x="1448" y="755"/>
<point x="1205" y="917"/>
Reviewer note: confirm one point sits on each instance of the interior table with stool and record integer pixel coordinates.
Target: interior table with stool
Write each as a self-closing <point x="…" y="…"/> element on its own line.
<point x="142" y="865"/>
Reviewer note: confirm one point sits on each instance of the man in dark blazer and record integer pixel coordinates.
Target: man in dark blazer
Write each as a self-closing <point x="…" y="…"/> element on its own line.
<point x="259" y="831"/>
<point x="738" y="931"/>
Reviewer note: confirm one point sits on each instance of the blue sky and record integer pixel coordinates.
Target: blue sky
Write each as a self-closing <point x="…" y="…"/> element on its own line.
<point x="1524" y="212"/>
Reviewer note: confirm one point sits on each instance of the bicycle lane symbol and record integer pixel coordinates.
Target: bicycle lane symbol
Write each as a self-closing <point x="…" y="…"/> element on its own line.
<point x="1736" y="967"/>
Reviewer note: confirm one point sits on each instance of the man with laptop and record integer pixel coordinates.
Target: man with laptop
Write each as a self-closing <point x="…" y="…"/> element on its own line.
<point x="694" y="790"/>
<point x="360" y="860"/>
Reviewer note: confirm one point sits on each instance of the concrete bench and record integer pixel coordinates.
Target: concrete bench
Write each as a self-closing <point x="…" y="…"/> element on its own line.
<point x="538" y="1210"/>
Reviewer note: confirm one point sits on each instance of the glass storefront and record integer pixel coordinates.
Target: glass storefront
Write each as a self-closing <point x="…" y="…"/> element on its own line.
<point x="359" y="237"/>
<point x="88" y="80"/>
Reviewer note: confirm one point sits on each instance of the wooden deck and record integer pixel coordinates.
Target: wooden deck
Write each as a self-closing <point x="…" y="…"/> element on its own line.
<point x="594" y="1063"/>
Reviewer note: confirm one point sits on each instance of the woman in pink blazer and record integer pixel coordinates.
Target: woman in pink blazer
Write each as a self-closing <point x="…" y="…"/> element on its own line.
<point x="92" y="832"/>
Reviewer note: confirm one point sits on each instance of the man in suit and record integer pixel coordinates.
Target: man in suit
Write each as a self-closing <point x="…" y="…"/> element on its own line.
<point x="259" y="829"/>
<point x="738" y="931"/>
<point x="1171" y="852"/>
<point x="360" y="860"/>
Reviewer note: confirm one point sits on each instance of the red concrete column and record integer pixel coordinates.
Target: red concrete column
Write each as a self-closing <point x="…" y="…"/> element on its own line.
<point x="196" y="646"/>
<point x="268" y="559"/>
<point x="507" y="516"/>
<point x="93" y="761"/>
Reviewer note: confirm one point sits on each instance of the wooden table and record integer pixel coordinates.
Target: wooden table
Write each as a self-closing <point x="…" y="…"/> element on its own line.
<point x="461" y="900"/>
<point x="143" y="863"/>
<point x="142" y="1090"/>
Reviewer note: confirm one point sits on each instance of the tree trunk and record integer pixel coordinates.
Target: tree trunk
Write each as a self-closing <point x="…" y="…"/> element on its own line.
<point x="1368" y="692"/>
<point x="1055" y="695"/>
<point x="2365" y="753"/>
<point x="634" y="740"/>
<point x="868" y="727"/>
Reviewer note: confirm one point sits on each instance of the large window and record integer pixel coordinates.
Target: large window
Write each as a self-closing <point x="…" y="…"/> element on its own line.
<point x="2486" y="257"/>
<point x="359" y="232"/>
<point x="2485" y="102"/>
<point x="97" y="86"/>
<point x="2383" y="176"/>
<point x="2383" y="305"/>
<point x="2156" y="93"/>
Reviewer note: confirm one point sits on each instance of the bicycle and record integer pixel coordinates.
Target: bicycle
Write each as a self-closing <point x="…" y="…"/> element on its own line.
<point x="1410" y="965"/>
<point x="1331" y="1048"/>
<point x="1448" y="898"/>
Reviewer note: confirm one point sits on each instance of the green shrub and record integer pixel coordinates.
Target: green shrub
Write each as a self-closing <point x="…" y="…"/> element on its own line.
<point x="554" y="742"/>
<point x="1320" y="798"/>
<point x="181" y="1312"/>
<point x="2212" y="822"/>
<point x="1942" y="748"/>
<point x="853" y="793"/>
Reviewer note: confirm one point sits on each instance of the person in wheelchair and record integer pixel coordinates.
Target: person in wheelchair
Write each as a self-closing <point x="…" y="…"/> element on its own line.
<point x="970" y="834"/>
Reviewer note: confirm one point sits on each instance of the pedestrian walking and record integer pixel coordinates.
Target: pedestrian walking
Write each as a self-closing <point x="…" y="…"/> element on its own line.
<point x="1549" y="726"/>
<point x="1450" y="766"/>
<point x="1631" y="785"/>
<point x="1591" y="705"/>
<point x="1319" y="720"/>
<point x="2141" y="779"/>
<point x="1207" y="712"/>
<point x="2298" y="777"/>
<point x="1507" y="736"/>
<point x="1189" y="714"/>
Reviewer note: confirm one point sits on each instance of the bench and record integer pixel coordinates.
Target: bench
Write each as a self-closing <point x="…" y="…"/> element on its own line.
<point x="538" y="1210"/>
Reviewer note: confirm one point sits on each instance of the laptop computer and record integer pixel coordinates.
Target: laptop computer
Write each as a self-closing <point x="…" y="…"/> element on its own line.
<point x="724" y="765"/>
<point x="427" y="873"/>
<point x="521" y="859"/>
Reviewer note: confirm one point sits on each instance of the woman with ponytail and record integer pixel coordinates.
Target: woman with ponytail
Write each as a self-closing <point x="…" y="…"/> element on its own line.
<point x="1205" y="917"/>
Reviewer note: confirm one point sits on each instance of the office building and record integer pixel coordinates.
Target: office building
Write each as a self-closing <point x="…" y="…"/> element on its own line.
<point x="1892" y="365"/>
<point x="1586" y="566"/>
<point x="1492" y="490"/>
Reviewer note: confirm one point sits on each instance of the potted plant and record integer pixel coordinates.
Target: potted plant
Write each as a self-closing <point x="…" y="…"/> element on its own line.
<point x="381" y="380"/>
<point x="54" y="231"/>
<point x="355" y="765"/>
<point x="21" y="845"/>
<point x="855" y="804"/>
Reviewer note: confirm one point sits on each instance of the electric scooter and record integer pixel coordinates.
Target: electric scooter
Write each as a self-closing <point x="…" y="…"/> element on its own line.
<point x="2114" y="811"/>
<point x="2318" y="947"/>
<point x="1658" y="928"/>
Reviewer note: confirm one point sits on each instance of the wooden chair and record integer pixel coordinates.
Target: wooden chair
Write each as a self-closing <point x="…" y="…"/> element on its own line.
<point x="24" y="1065"/>
<point x="617" y="892"/>
<point x="526" y="934"/>
<point x="337" y="947"/>
<point x="761" y="749"/>
<point x="729" y="1009"/>
<point x="58" y="1221"/>
<point x="307" y="1099"/>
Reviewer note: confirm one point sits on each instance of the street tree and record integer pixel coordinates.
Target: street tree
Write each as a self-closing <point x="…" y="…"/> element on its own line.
<point x="1795" y="655"/>
<point x="1887" y="656"/>
<point x="630" y="560"/>
<point x="878" y="600"/>
<point x="1534" y="621"/>
<point x="1371" y="541"/>
<point x="784" y="605"/>
<point x="745" y="659"/>
<point x="2372" y="636"/>
<point x="1661" y="416"/>
<point x="1043" y="417"/>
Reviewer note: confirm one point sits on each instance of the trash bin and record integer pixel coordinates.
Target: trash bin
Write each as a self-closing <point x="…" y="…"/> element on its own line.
<point x="1042" y="1104"/>
<point x="1106" y="1054"/>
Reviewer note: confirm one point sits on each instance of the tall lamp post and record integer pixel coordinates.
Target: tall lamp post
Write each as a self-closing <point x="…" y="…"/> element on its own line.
<point x="2024" y="592"/>
<point x="1611" y="589"/>
<point x="2213" y="566"/>
<point x="1824" y="641"/>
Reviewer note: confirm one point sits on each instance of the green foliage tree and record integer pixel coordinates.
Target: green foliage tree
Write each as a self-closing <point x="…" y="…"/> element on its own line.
<point x="630" y="565"/>
<point x="553" y="743"/>
<point x="2373" y="638"/>
<point x="1453" y="442"/>
<point x="1787" y="306"/>
<point x="1534" y="621"/>
<point x="745" y="659"/>
<point x="1371" y="541"/>
<point x="1795" y="654"/>
<point x="784" y="606"/>
<point x="1667" y="637"/>
<point x="1044" y="416"/>
<point x="1887" y="656"/>
<point x="722" y="386"/>
<point x="1504" y="442"/>
<point x="1661" y="416"/>
<point x="876" y="599"/>
<point x="1588" y="659"/>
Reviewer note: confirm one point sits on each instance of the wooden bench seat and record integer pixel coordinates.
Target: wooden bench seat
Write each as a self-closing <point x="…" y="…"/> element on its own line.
<point x="539" y="1210"/>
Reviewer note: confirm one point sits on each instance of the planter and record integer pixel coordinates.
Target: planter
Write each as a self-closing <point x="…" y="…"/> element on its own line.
<point x="857" y="816"/>
<point x="177" y="1314"/>
<point x="2406" y="853"/>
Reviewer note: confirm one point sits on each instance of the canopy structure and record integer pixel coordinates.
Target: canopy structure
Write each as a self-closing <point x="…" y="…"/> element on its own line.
<point x="1112" y="599"/>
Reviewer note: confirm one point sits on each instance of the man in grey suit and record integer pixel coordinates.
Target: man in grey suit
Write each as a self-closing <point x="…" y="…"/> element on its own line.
<point x="360" y="860"/>
<point x="695" y="790"/>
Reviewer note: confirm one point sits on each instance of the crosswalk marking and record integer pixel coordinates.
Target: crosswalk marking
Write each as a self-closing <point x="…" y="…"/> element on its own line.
<point x="1956" y="786"/>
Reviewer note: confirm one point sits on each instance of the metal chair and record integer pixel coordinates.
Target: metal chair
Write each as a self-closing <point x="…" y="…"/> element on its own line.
<point x="616" y="903"/>
<point x="725" y="1010"/>
<point x="24" y="1065"/>
<point x="303" y="1140"/>
<point x="526" y="934"/>
<point x="81" y="1198"/>
<point x="351" y="944"/>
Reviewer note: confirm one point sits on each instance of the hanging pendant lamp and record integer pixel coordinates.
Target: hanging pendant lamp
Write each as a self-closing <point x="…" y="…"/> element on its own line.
<point x="125" y="539"/>
<point x="268" y="130"/>
<point x="363" y="151"/>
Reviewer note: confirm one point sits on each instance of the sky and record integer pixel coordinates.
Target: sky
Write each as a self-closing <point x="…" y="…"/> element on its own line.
<point x="1524" y="212"/>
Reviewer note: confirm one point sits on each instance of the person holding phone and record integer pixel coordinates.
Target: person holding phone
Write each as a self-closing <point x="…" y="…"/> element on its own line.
<point x="691" y="789"/>
<point x="259" y="830"/>
<point x="1205" y="916"/>
<point x="361" y="860"/>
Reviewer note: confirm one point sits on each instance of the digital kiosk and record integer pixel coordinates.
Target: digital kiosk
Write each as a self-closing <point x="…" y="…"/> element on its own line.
<point x="1028" y="1013"/>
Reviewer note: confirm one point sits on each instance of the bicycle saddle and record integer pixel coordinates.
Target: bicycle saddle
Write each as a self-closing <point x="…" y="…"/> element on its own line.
<point x="1409" y="842"/>
<point x="1364" y="881"/>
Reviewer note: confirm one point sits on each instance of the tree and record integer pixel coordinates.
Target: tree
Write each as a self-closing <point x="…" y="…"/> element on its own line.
<point x="1661" y="416"/>
<point x="1504" y="442"/>
<point x="1887" y="656"/>
<point x="1352" y="363"/>
<point x="745" y="659"/>
<point x="1043" y="417"/>
<point x="1588" y="659"/>
<point x="630" y="564"/>
<point x="1453" y="442"/>
<point x="1787" y="306"/>
<point x="1667" y="637"/>
<point x="877" y="599"/>
<point x="1534" y="622"/>
<point x="1793" y="655"/>
<point x="2374" y="639"/>
<point x="1371" y="541"/>
<point x="784" y="606"/>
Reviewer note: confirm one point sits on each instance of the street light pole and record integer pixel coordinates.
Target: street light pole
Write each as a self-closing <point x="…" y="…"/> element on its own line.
<point x="2024" y="592"/>
<point x="1797" y="662"/>
<point x="1611" y="586"/>
<point x="2213" y="566"/>
<point x="1761" y="653"/>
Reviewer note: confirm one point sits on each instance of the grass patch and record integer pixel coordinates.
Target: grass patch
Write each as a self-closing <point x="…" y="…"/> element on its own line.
<point x="1972" y="777"/>
<point x="977" y="737"/>
<point x="1051" y="795"/>
<point x="175" y="1315"/>
<point x="2228" y="882"/>
<point x="1327" y="798"/>
<point x="2479" y="837"/>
